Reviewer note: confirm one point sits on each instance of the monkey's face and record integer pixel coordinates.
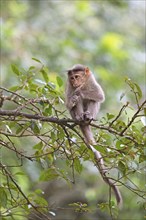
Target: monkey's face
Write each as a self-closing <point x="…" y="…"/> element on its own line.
<point x="77" y="78"/>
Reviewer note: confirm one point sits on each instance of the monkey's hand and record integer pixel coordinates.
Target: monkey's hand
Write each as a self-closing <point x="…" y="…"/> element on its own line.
<point x="73" y="101"/>
<point x="87" y="116"/>
<point x="80" y="117"/>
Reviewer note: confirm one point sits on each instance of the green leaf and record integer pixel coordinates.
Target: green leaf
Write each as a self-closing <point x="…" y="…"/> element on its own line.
<point x="60" y="133"/>
<point x="145" y="111"/>
<point x="45" y="75"/>
<point x="59" y="81"/>
<point x="119" y="144"/>
<point x="3" y="197"/>
<point x="120" y="125"/>
<point x="103" y="206"/>
<point x="14" y="88"/>
<point x="31" y="67"/>
<point x="122" y="167"/>
<point x="130" y="83"/>
<point x="38" y="146"/>
<point x="76" y="204"/>
<point x="48" y="174"/>
<point x="135" y="87"/>
<point x="19" y="129"/>
<point x="33" y="87"/>
<point x="99" y="148"/>
<point x="110" y="116"/>
<point x="139" y="92"/>
<point x="20" y="173"/>
<point x="15" y="69"/>
<point x="53" y="136"/>
<point x="39" y="191"/>
<point x="41" y="201"/>
<point x="34" y="127"/>
<point x="37" y="60"/>
<point x="49" y="110"/>
<point x="80" y="207"/>
<point x="51" y="85"/>
<point x="142" y="158"/>
<point x="77" y="165"/>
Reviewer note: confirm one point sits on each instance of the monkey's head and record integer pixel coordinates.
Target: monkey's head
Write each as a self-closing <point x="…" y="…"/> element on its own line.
<point x="78" y="75"/>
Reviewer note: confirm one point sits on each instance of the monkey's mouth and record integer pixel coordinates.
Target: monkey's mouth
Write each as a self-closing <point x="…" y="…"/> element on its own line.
<point x="75" y="85"/>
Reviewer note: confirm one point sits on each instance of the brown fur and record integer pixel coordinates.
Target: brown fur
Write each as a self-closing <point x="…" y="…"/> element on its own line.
<point x="83" y="98"/>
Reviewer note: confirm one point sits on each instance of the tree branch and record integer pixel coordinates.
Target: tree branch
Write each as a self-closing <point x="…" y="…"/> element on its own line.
<point x="133" y="118"/>
<point x="36" y="208"/>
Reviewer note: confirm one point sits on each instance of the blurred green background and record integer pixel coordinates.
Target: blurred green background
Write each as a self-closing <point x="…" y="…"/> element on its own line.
<point x="108" y="36"/>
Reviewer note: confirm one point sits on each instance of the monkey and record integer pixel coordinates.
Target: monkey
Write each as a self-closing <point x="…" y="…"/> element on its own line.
<point x="83" y="98"/>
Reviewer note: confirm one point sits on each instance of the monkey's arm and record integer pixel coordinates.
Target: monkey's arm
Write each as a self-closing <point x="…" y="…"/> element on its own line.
<point x="71" y="97"/>
<point x="92" y="90"/>
<point x="72" y="101"/>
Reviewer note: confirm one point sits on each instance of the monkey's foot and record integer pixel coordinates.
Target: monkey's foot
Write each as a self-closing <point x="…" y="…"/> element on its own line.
<point x="87" y="116"/>
<point x="80" y="117"/>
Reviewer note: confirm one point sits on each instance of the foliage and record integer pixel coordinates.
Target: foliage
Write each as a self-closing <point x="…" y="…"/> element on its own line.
<point x="62" y="33"/>
<point x="47" y="170"/>
<point x="33" y="112"/>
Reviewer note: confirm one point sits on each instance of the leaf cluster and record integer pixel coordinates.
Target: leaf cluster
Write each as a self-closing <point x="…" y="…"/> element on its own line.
<point x="34" y="127"/>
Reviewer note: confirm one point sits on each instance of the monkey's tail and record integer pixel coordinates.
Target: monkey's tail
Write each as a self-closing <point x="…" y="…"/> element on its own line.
<point x="102" y="171"/>
<point x="86" y="130"/>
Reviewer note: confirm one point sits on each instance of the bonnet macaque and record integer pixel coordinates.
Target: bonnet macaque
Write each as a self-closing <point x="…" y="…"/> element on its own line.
<point x="83" y="98"/>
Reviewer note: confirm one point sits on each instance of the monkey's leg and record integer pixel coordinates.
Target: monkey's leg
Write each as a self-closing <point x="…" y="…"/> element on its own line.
<point x="92" y="110"/>
<point x="77" y="111"/>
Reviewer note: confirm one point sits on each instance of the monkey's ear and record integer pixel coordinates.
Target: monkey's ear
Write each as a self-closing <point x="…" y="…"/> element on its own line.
<point x="87" y="71"/>
<point x="69" y="72"/>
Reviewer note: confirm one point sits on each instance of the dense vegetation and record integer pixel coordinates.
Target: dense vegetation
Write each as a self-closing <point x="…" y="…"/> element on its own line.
<point x="47" y="170"/>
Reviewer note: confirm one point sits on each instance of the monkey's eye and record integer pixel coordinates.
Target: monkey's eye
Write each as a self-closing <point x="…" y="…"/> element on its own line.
<point x="76" y="76"/>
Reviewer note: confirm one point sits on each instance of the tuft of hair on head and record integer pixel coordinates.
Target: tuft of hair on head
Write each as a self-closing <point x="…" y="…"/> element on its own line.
<point x="75" y="68"/>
